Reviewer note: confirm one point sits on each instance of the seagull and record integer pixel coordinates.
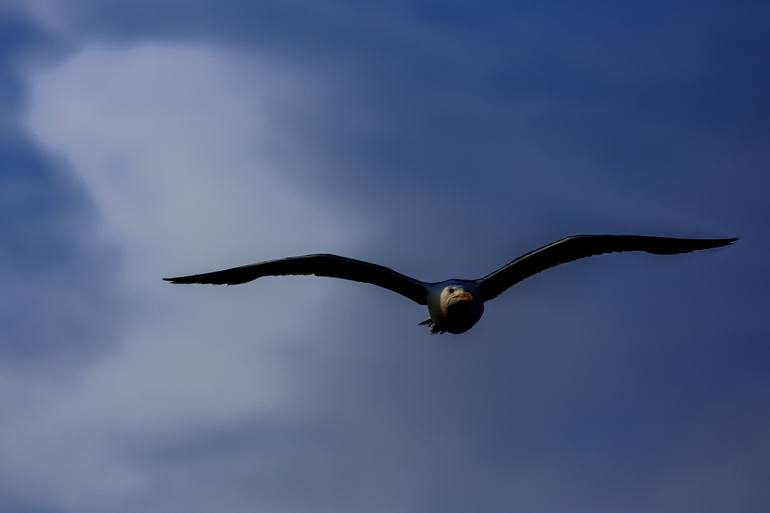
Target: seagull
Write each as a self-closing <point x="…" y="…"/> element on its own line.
<point x="455" y="305"/>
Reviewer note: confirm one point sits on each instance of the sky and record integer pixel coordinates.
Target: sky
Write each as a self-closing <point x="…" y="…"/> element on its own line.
<point x="142" y="139"/>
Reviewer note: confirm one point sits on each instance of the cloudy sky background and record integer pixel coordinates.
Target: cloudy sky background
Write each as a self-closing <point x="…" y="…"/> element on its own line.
<point x="151" y="138"/>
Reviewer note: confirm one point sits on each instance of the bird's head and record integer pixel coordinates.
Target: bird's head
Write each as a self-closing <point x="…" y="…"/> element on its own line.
<point x="456" y="294"/>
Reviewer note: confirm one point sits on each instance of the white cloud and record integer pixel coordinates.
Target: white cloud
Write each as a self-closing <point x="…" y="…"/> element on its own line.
<point x="172" y="144"/>
<point x="168" y="140"/>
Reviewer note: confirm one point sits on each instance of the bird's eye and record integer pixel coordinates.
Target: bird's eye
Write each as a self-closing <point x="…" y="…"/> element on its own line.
<point x="451" y="290"/>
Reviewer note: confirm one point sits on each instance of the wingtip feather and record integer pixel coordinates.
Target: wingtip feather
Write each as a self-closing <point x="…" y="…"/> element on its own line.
<point x="726" y="241"/>
<point x="177" y="279"/>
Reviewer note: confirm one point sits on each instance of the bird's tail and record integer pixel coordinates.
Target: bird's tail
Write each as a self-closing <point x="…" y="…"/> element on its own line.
<point x="434" y="329"/>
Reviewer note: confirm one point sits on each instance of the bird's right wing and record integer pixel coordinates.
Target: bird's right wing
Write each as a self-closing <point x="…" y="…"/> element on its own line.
<point x="319" y="265"/>
<point x="581" y="246"/>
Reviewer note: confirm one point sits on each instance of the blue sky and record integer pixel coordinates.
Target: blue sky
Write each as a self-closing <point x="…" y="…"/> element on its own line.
<point x="145" y="139"/>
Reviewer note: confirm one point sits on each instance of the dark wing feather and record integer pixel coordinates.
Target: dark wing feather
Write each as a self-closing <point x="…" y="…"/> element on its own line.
<point x="319" y="265"/>
<point x="581" y="246"/>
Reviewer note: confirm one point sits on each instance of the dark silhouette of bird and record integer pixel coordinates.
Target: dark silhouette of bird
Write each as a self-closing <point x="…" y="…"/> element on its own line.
<point x="455" y="305"/>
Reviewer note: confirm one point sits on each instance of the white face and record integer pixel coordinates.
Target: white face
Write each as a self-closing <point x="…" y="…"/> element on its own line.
<point x="455" y="293"/>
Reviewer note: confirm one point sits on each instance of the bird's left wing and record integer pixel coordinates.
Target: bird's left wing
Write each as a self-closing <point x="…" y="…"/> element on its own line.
<point x="319" y="265"/>
<point x="582" y="246"/>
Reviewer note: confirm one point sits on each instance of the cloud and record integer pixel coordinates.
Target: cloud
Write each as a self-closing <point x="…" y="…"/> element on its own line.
<point x="168" y="142"/>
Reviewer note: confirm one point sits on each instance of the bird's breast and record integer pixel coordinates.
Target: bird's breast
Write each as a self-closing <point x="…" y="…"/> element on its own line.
<point x="457" y="316"/>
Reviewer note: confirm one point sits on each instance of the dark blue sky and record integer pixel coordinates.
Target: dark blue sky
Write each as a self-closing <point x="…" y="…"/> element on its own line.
<point x="142" y="139"/>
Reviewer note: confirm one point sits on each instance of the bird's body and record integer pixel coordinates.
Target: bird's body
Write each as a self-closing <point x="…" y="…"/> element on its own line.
<point x="455" y="305"/>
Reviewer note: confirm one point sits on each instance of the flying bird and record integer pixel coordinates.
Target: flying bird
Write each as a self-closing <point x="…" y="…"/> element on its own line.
<point x="455" y="305"/>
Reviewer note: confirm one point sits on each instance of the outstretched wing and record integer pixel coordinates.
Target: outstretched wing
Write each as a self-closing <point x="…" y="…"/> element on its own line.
<point x="319" y="265"/>
<point x="581" y="246"/>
